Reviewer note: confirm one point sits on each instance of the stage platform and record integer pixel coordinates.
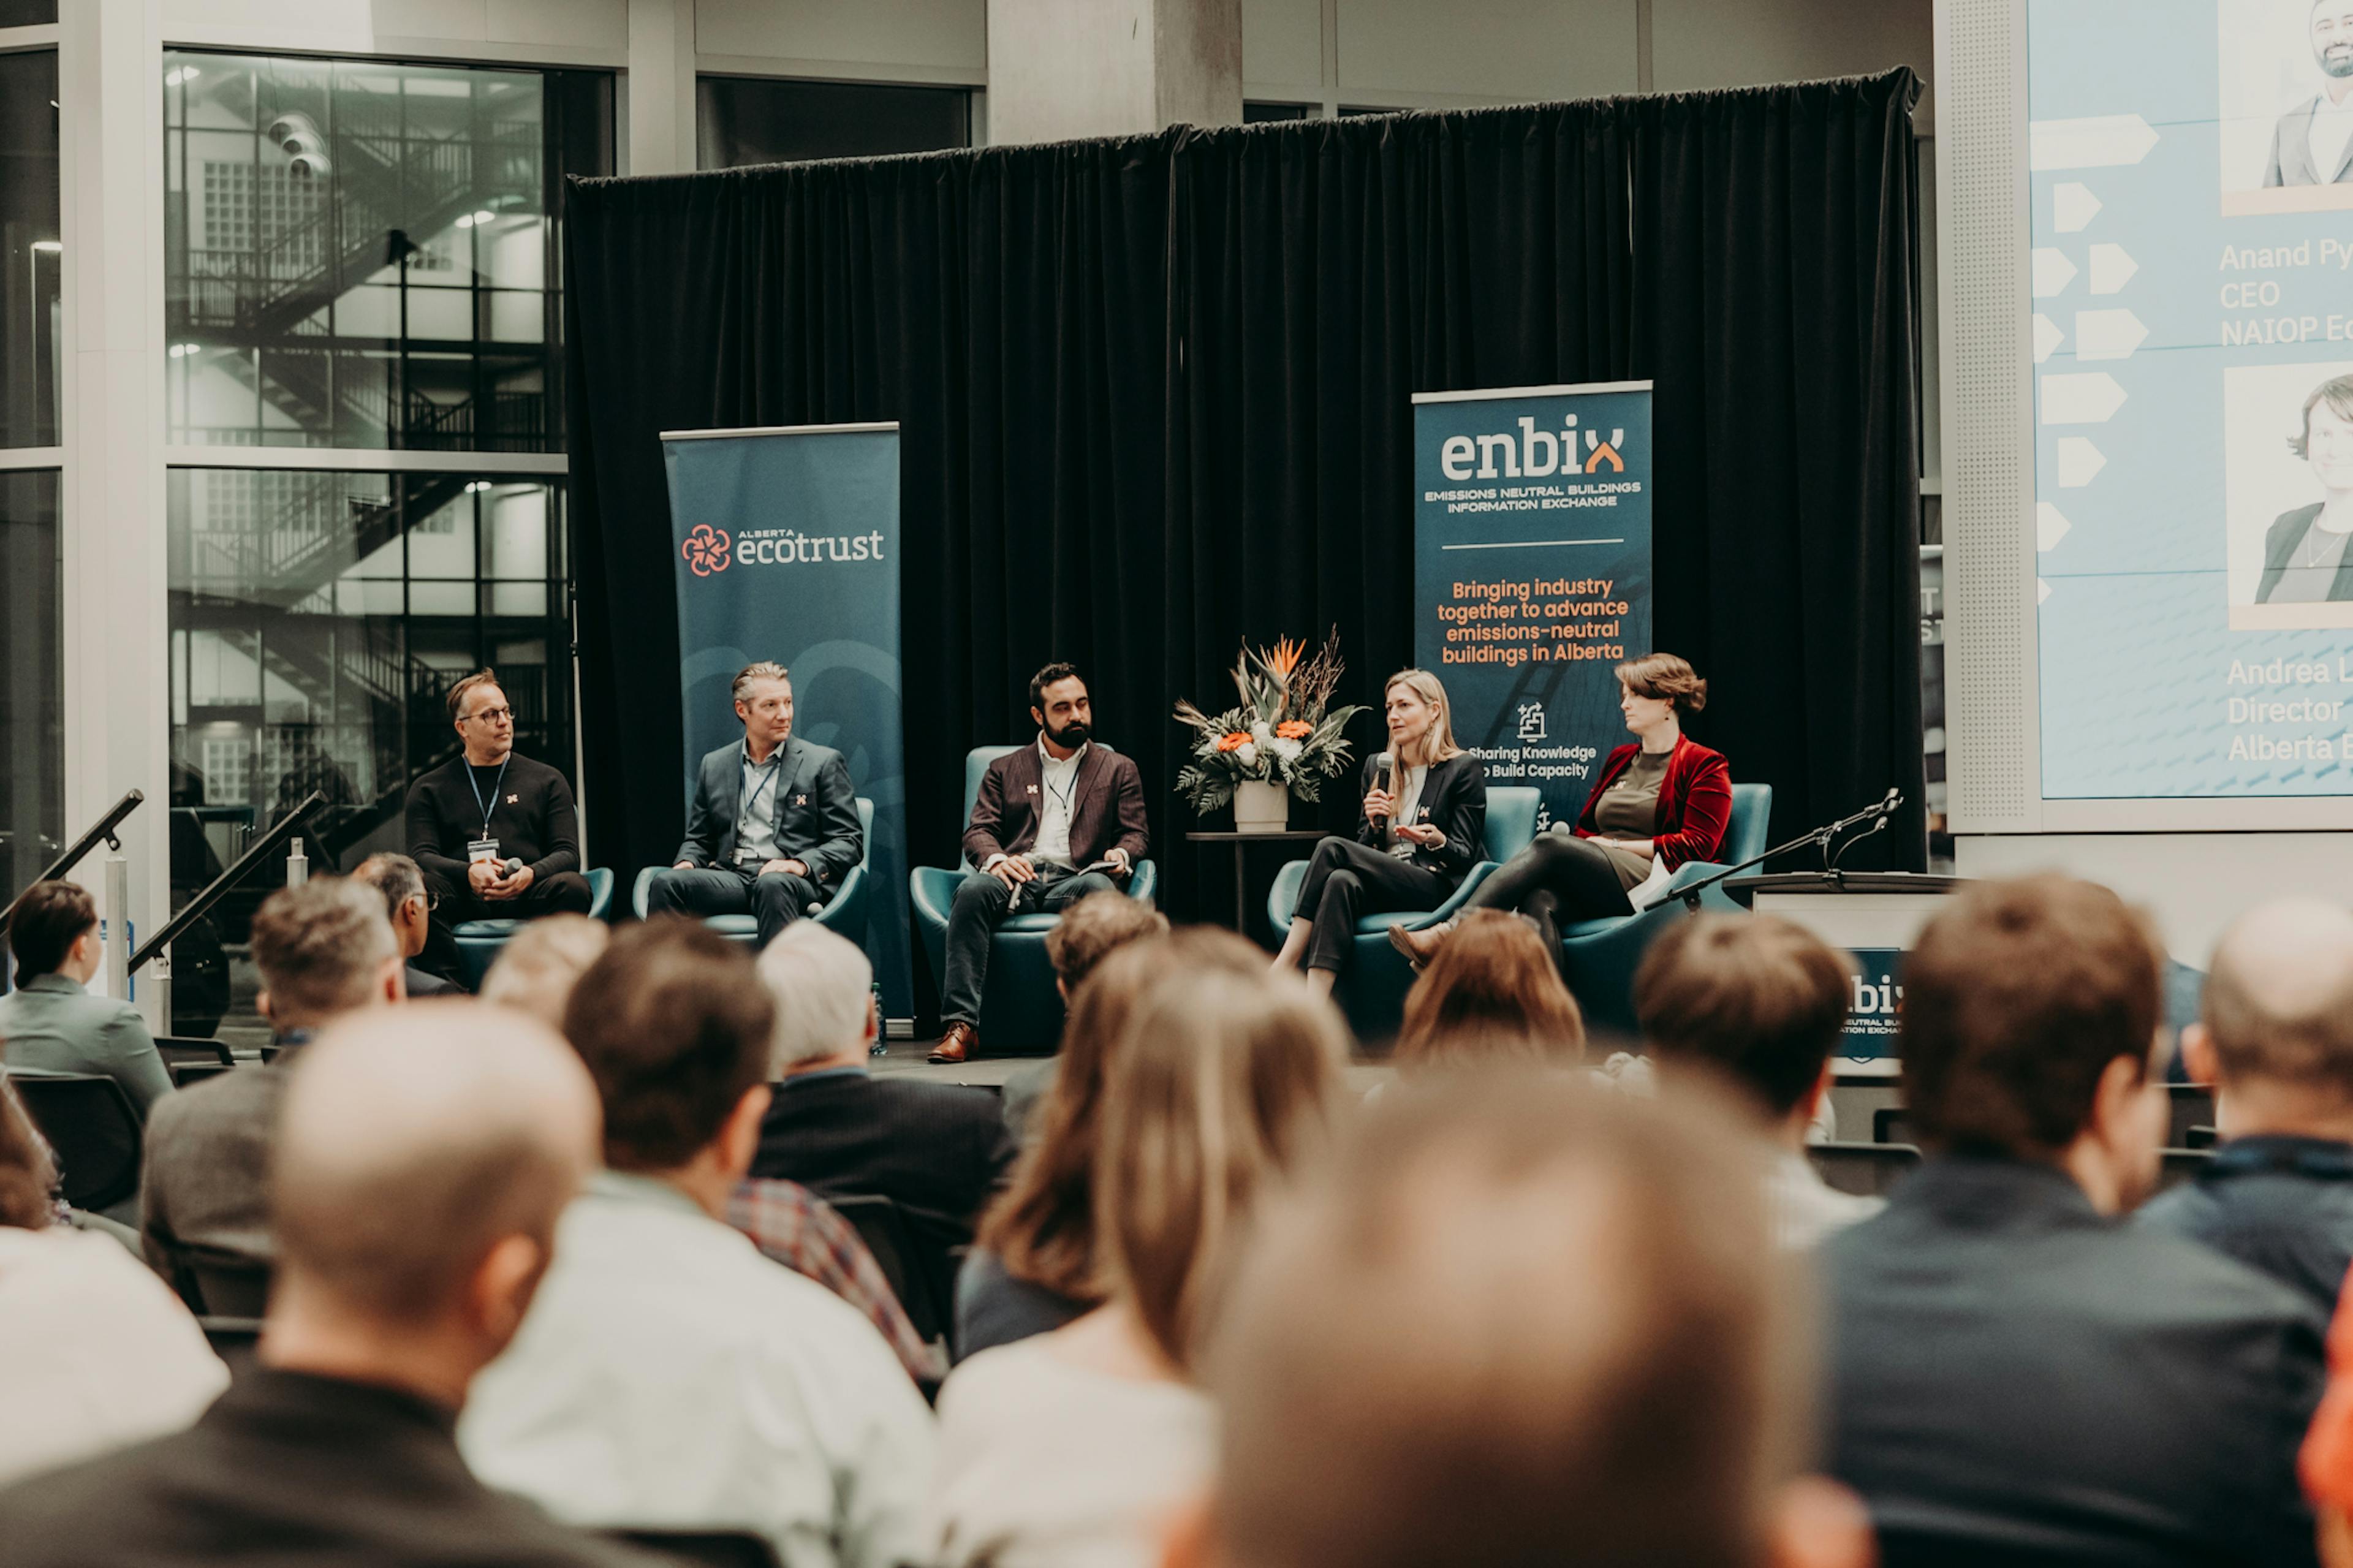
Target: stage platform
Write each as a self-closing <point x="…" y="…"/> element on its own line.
<point x="906" y="1059"/>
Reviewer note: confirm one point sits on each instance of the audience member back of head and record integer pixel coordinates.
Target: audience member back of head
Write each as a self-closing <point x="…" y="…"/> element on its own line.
<point x="1759" y="1003"/>
<point x="324" y="951"/>
<point x="422" y="1162"/>
<point x="1516" y="1321"/>
<point x="48" y="1023"/>
<point x="2013" y="1374"/>
<point x="1491" y="994"/>
<point x="2276" y="1043"/>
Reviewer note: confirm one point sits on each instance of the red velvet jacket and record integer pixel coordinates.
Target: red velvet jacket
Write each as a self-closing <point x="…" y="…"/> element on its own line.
<point x="1694" y="802"/>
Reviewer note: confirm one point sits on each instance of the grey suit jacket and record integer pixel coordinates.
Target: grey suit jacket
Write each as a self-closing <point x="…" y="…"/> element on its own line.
<point x="815" y="819"/>
<point x="207" y="1180"/>
<point x="52" y="1025"/>
<point x="2292" y="152"/>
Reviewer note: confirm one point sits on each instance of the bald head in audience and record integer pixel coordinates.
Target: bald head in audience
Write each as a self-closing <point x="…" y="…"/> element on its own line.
<point x="423" y="1158"/>
<point x="1514" y="1321"/>
<point x="2276" y="1034"/>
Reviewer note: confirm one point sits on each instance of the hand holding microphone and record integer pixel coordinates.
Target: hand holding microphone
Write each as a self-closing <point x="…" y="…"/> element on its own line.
<point x="1379" y="802"/>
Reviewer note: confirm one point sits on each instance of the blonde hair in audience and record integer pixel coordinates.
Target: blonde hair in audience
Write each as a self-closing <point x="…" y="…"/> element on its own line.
<point x="1218" y="1085"/>
<point x="1042" y="1227"/>
<point x="1493" y="992"/>
<point x="535" y="972"/>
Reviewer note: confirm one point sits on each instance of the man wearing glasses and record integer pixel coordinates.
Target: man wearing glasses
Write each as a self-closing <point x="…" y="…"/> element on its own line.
<point x="492" y="831"/>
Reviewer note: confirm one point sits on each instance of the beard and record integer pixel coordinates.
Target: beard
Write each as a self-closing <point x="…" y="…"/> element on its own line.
<point x="1071" y="736"/>
<point x="2336" y="59"/>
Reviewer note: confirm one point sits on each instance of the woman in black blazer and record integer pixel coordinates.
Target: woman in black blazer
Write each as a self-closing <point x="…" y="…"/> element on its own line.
<point x="1424" y="826"/>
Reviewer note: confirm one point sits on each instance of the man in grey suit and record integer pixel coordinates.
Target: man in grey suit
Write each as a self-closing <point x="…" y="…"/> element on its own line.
<point x="324" y="950"/>
<point x="2313" y="144"/>
<point x="774" y="828"/>
<point x="50" y="1022"/>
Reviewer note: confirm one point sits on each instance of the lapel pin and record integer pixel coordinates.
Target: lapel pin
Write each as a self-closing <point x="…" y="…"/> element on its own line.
<point x="514" y="800"/>
<point x="800" y="800"/>
<point x="1032" y="788"/>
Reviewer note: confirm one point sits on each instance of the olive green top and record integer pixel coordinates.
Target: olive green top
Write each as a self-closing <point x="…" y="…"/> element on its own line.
<point x="1629" y="808"/>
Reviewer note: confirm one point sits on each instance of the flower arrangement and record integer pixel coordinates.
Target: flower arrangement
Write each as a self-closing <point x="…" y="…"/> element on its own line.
<point x="1283" y="732"/>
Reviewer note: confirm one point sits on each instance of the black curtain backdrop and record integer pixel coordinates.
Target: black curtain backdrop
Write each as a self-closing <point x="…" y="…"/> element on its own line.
<point x="1155" y="397"/>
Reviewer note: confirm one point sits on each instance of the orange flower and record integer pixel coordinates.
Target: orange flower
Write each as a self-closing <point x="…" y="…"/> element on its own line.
<point x="1283" y="657"/>
<point x="1233" y="740"/>
<point x="1294" y="729"/>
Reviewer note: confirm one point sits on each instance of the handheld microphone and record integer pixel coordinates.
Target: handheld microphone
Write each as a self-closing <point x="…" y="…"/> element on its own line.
<point x="1384" y="780"/>
<point x="509" y="867"/>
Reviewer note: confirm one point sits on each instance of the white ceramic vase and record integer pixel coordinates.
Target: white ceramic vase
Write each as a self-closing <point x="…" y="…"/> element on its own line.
<point x="1262" y="807"/>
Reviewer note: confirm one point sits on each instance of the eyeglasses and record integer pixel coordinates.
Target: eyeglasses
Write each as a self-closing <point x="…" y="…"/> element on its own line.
<point x="490" y="715"/>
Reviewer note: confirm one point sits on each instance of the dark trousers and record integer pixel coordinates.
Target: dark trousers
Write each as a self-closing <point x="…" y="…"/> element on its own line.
<point x="776" y="898"/>
<point x="565" y="893"/>
<point x="1557" y="880"/>
<point x="981" y="905"/>
<point x="1347" y="881"/>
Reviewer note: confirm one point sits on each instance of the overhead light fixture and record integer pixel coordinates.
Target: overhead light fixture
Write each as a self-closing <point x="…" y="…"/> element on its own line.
<point x="483" y="216"/>
<point x="182" y="350"/>
<point x="465" y="220"/>
<point x="477" y="487"/>
<point x="179" y="74"/>
<point x="49" y="247"/>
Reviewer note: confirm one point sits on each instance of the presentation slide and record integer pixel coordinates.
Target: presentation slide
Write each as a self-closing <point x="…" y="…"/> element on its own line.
<point x="2191" y="179"/>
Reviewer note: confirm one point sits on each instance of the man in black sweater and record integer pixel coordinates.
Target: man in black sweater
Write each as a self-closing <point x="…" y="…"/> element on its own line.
<point x="492" y="831"/>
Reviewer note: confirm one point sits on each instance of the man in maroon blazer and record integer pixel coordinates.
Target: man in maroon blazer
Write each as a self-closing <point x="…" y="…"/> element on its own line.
<point x="1054" y="822"/>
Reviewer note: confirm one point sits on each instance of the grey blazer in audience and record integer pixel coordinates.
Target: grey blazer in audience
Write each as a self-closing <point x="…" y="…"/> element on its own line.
<point x="208" y="1164"/>
<point x="2012" y="1374"/>
<point x="2280" y="1205"/>
<point x="51" y="1025"/>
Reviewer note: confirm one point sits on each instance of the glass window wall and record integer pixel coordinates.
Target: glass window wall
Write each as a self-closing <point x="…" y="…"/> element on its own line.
<point x="32" y="683"/>
<point x="739" y="121"/>
<point x="32" y="259"/>
<point x="363" y="254"/>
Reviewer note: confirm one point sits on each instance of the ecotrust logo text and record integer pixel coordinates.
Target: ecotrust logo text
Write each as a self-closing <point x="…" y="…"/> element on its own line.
<point x="707" y="549"/>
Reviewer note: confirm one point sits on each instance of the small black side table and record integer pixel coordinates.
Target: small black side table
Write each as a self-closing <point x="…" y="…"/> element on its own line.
<point x="1242" y="841"/>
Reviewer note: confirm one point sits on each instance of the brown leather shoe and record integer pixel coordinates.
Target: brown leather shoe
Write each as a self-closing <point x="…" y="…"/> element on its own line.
<point x="958" y="1042"/>
<point x="1420" y="946"/>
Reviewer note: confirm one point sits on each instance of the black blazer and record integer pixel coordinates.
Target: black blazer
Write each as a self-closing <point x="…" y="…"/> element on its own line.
<point x="2279" y="549"/>
<point x="938" y="1148"/>
<point x="815" y="816"/>
<point x="2011" y="1373"/>
<point x="1454" y="798"/>
<point x="335" y="1474"/>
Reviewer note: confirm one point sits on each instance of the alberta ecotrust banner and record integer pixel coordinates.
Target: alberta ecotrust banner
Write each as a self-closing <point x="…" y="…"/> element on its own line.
<point x="786" y="547"/>
<point x="1532" y="573"/>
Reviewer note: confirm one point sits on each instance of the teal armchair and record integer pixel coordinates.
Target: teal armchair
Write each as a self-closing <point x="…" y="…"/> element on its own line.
<point x="1599" y="957"/>
<point x="1020" y="1010"/>
<point x="1372" y="992"/>
<point x="481" y="942"/>
<point x="844" y="914"/>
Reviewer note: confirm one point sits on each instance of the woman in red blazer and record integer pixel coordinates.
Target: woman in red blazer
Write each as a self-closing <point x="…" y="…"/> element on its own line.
<point x="1662" y="799"/>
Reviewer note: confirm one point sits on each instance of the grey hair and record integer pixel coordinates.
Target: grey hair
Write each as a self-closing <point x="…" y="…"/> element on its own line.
<point x="394" y="876"/>
<point x="823" y="986"/>
<point x="765" y="670"/>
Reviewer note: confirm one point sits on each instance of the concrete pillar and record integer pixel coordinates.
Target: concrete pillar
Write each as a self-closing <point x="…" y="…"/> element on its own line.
<point x="1064" y="68"/>
<point x="117" y="700"/>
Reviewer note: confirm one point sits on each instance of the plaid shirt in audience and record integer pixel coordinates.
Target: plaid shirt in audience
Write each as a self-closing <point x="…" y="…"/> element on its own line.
<point x="794" y="1227"/>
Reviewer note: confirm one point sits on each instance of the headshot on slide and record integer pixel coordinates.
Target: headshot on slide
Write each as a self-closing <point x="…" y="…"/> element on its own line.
<point x="2288" y="439"/>
<point x="2286" y="105"/>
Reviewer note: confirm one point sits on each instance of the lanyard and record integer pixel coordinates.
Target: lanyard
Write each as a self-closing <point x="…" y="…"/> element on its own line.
<point x="752" y="799"/>
<point x="1062" y="797"/>
<point x="494" y="803"/>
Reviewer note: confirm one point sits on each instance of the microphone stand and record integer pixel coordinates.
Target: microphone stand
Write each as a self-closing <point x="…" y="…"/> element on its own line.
<point x="1877" y="812"/>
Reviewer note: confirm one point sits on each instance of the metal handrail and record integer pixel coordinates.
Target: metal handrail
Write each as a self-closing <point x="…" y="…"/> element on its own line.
<point x="102" y="829"/>
<point x="201" y="905"/>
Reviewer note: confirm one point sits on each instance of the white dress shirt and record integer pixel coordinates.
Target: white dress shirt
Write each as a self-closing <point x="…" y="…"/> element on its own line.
<point x="2332" y="127"/>
<point x="669" y="1377"/>
<point x="1048" y="1464"/>
<point x="95" y="1351"/>
<point x="755" y="827"/>
<point x="1057" y="806"/>
<point x="1807" y="1211"/>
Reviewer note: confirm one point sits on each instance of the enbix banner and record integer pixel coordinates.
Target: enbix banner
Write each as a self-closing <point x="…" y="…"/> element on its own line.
<point x="1532" y="573"/>
<point x="786" y="548"/>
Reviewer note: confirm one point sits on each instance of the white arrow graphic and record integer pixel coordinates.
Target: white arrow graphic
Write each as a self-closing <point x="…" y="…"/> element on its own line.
<point x="2072" y="207"/>
<point x="2047" y="337"/>
<point x="2107" y="334"/>
<point x="2099" y="141"/>
<point x="2052" y="272"/>
<point x="2087" y="399"/>
<point x="2079" y="461"/>
<point x="2049" y="528"/>
<point x="2042" y="590"/>
<point x="2112" y="269"/>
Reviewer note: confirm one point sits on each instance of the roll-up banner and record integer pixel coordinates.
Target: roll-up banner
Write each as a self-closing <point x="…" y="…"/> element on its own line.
<point x="1532" y="573"/>
<point x="786" y="547"/>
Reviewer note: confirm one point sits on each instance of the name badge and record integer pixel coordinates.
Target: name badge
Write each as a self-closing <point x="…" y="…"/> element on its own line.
<point x="481" y="849"/>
